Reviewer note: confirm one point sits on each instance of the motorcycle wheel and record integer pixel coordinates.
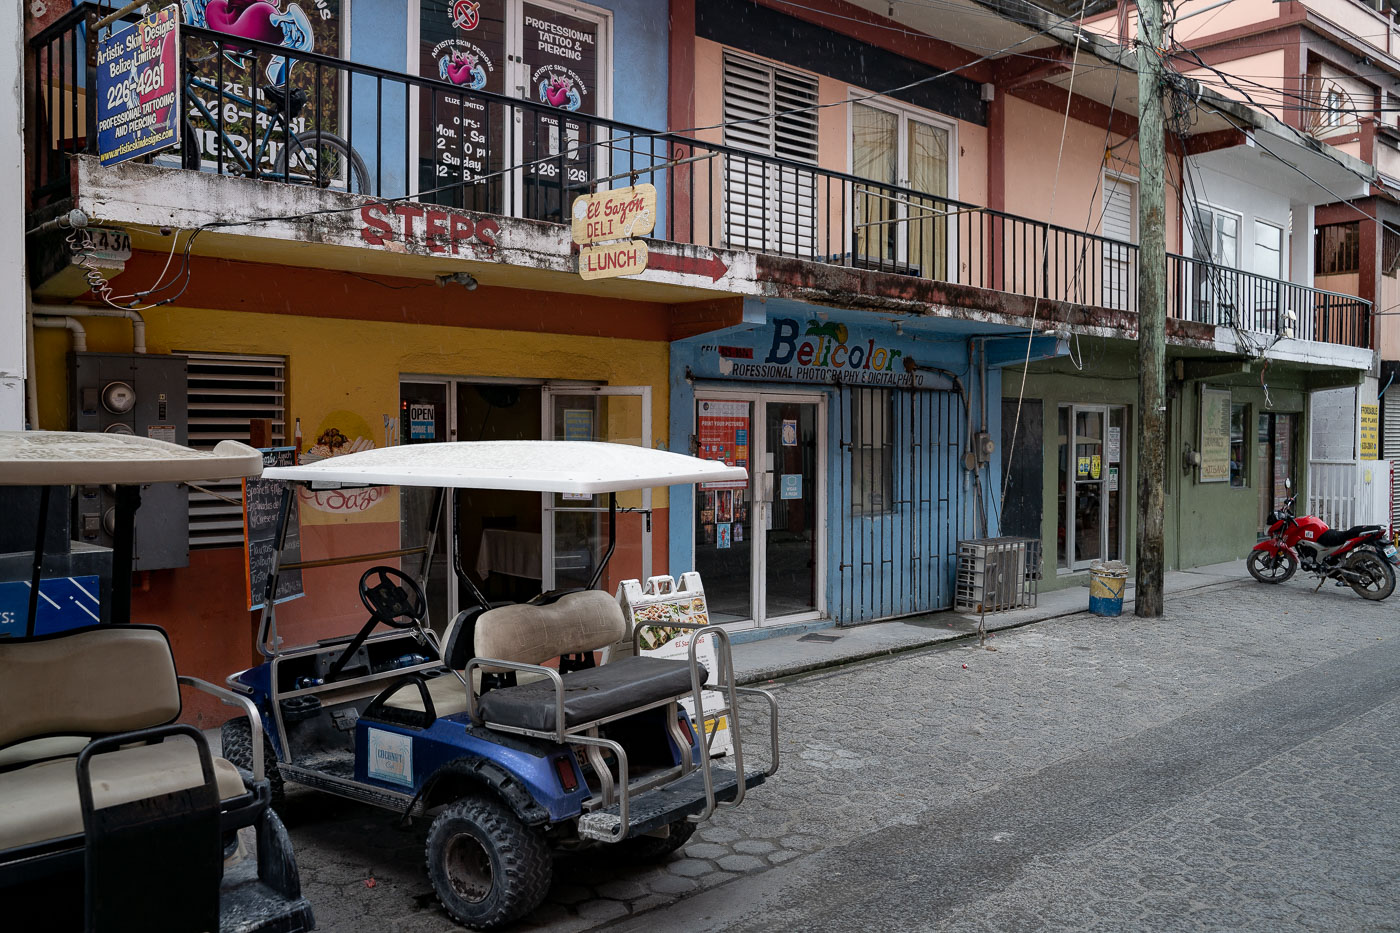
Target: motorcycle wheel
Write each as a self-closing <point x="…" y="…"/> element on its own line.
<point x="1271" y="568"/>
<point x="1377" y="579"/>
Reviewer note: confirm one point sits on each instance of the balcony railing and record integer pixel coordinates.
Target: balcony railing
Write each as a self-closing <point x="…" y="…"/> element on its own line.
<point x="390" y="135"/>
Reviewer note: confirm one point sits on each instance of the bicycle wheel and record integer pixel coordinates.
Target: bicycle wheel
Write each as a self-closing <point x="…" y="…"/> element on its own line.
<point x="324" y="160"/>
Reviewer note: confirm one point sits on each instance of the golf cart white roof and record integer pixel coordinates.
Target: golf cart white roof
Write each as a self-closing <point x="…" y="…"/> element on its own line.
<point x="582" y="467"/>
<point x="60" y="458"/>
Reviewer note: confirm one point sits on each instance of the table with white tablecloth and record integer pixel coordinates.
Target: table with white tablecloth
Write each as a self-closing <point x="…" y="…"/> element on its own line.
<point x="513" y="553"/>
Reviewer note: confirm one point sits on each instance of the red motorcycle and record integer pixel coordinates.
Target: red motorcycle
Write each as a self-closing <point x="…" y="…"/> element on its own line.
<point x="1359" y="557"/>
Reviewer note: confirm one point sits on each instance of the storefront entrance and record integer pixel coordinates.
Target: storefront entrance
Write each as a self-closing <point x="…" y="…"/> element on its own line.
<point x="759" y="545"/>
<point x="516" y="545"/>
<point x="1091" y="484"/>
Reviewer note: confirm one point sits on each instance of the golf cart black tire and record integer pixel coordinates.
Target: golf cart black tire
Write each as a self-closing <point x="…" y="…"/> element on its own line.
<point x="654" y="848"/>
<point x="237" y="738"/>
<point x="521" y="864"/>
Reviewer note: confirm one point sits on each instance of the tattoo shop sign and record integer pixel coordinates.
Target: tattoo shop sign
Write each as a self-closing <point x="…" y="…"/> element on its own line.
<point x="136" y="74"/>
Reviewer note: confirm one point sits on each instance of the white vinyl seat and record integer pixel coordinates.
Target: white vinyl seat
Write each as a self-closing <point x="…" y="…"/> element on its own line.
<point x="40" y="801"/>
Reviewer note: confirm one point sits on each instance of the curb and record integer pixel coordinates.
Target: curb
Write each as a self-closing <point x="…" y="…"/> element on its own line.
<point x="805" y="667"/>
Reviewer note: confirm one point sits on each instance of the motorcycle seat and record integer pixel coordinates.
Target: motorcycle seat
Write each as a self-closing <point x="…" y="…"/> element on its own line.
<point x="1333" y="537"/>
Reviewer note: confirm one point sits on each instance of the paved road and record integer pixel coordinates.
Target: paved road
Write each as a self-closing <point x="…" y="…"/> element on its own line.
<point x="1234" y="766"/>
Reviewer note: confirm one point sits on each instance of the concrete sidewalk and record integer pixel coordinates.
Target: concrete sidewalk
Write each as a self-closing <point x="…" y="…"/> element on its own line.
<point x="765" y="659"/>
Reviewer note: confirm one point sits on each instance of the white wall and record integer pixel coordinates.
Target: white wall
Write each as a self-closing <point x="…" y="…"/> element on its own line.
<point x="1229" y="192"/>
<point x="13" y="290"/>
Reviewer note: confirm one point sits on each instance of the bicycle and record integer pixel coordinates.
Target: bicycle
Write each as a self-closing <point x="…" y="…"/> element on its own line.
<point x="327" y="160"/>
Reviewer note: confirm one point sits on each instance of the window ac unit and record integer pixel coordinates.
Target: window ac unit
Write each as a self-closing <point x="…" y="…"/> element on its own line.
<point x="997" y="574"/>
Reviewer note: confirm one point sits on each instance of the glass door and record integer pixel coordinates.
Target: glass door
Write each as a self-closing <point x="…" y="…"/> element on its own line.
<point x="791" y="543"/>
<point x="576" y="526"/>
<point x="758" y="543"/>
<point x="551" y="52"/>
<point x="907" y="232"/>
<point x="424" y="418"/>
<point x="1093" y="467"/>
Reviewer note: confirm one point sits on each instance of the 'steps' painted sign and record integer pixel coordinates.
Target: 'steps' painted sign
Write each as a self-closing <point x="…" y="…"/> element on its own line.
<point x="136" y="74"/>
<point x="819" y="351"/>
<point x="441" y="231"/>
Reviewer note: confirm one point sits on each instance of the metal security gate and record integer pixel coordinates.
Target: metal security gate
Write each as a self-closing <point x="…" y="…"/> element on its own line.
<point x="895" y="533"/>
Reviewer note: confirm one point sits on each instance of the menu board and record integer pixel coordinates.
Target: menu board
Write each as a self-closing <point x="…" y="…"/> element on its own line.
<point x="459" y="134"/>
<point x="262" y="507"/>
<point x="1215" y="436"/>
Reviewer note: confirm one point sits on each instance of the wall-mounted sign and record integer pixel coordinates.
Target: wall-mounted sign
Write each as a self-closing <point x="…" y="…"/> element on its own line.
<point x="792" y="350"/>
<point x="437" y="230"/>
<point x="610" y="260"/>
<point x="619" y="214"/>
<point x="296" y="25"/>
<point x="1215" y="436"/>
<point x="137" y="71"/>
<point x="1370" y="436"/>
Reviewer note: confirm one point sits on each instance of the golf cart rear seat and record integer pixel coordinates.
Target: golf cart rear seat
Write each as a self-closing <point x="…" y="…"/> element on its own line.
<point x="578" y="622"/>
<point x="57" y="692"/>
<point x="575" y="623"/>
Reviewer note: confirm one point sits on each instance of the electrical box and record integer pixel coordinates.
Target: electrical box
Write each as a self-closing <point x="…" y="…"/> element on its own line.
<point x="147" y="395"/>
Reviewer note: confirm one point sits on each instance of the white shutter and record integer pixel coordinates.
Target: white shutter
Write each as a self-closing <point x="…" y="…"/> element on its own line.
<point x="1119" y="209"/>
<point x="225" y="393"/>
<point x="769" y="207"/>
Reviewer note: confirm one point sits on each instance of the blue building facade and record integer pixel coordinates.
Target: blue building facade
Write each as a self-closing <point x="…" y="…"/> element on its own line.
<point x="861" y="434"/>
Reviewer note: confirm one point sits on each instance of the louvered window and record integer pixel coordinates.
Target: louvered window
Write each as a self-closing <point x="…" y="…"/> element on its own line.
<point x="769" y="205"/>
<point x="226" y="392"/>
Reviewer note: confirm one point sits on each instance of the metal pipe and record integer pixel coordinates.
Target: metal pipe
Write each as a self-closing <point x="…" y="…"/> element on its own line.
<point x="31" y="394"/>
<point x="138" y="323"/>
<point x="56" y="322"/>
<point x="115" y="15"/>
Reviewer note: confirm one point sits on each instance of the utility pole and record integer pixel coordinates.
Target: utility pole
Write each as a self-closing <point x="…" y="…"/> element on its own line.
<point x="1152" y="312"/>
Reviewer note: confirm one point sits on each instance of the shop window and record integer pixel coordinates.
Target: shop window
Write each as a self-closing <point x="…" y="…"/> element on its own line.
<point x="1239" y="447"/>
<point x="872" y="450"/>
<point x="225" y="393"/>
<point x="1337" y="249"/>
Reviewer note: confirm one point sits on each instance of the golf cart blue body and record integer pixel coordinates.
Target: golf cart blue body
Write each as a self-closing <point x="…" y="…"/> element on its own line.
<point x="520" y="729"/>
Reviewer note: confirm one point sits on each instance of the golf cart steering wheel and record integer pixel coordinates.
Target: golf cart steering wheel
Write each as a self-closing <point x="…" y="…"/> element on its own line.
<point x="395" y="598"/>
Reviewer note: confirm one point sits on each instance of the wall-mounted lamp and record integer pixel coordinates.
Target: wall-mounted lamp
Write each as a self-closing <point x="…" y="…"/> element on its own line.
<point x="464" y="279"/>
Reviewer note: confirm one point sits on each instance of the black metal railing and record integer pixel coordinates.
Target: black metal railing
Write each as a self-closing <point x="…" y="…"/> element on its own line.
<point x="1209" y="293"/>
<point x="314" y="119"/>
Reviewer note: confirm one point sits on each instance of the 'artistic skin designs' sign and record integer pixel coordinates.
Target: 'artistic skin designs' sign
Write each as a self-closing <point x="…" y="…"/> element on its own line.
<point x="820" y="351"/>
<point x="136" y="74"/>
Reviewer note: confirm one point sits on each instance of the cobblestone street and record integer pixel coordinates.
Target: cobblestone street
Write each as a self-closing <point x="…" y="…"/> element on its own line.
<point x="1234" y="765"/>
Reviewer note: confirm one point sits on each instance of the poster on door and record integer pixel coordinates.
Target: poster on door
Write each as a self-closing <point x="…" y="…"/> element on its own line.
<point x="560" y="54"/>
<point x="460" y="135"/>
<point x="722" y="433"/>
<point x="256" y="85"/>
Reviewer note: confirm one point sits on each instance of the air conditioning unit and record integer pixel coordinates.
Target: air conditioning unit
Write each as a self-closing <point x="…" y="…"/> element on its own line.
<point x="997" y="574"/>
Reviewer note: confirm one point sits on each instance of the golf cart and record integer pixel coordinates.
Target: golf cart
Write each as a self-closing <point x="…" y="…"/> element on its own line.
<point x="101" y="791"/>
<point x="502" y="727"/>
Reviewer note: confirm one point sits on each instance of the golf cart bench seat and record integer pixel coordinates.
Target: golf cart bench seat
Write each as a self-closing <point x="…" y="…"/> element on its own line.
<point x="580" y="622"/>
<point x="589" y="695"/>
<point x="58" y="690"/>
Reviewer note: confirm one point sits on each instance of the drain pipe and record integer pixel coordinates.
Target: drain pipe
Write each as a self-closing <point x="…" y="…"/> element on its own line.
<point x="138" y="323"/>
<point x="74" y="327"/>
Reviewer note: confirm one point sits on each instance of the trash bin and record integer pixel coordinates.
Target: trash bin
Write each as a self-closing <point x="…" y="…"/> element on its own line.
<point x="1107" y="580"/>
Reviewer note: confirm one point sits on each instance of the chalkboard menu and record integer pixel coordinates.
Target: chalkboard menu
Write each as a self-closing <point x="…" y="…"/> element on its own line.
<point x="262" y="505"/>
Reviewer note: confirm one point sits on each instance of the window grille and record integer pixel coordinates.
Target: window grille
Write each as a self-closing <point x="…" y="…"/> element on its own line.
<point x="226" y="391"/>
<point x="768" y="206"/>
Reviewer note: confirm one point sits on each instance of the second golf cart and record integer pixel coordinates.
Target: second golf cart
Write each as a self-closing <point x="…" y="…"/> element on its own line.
<point x="501" y="726"/>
